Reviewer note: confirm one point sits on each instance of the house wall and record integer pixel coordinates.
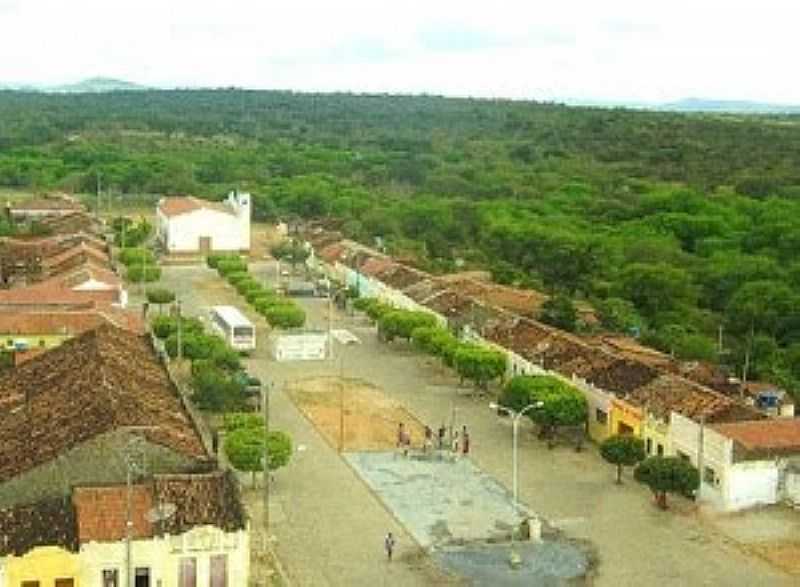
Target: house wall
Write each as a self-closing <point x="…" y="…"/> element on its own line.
<point x="228" y="233"/>
<point x="598" y="407"/>
<point x="44" y="564"/>
<point x="655" y="433"/>
<point x="98" y="461"/>
<point x="728" y="490"/>
<point x="752" y="483"/>
<point x="163" y="555"/>
<point x="624" y="414"/>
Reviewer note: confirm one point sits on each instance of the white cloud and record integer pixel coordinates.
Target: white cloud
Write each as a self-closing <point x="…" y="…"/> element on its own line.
<point x="612" y="49"/>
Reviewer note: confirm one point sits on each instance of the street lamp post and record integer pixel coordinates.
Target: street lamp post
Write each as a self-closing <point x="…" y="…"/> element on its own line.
<point x="514" y="559"/>
<point x="265" y="393"/>
<point x="515" y="418"/>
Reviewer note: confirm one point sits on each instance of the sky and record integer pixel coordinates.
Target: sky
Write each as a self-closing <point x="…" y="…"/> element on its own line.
<point x="615" y="50"/>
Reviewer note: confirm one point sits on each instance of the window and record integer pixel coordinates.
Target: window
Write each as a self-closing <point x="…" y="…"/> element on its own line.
<point x="187" y="572"/>
<point x="660" y="450"/>
<point x="710" y="476"/>
<point x="41" y="342"/>
<point x="649" y="443"/>
<point x="10" y="343"/>
<point x="141" y="577"/>
<point x="65" y="583"/>
<point x="110" y="578"/>
<point x="30" y="584"/>
<point x="623" y="428"/>
<point x="601" y="416"/>
<point x="219" y="571"/>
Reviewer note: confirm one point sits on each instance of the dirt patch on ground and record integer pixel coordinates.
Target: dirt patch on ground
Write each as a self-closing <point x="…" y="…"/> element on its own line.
<point x="371" y="418"/>
<point x="784" y="555"/>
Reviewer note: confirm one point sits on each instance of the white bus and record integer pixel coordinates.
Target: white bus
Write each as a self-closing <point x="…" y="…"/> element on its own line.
<point x="237" y="330"/>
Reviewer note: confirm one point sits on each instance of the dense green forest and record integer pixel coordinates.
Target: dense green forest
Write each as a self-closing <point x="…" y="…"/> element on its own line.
<point x="672" y="225"/>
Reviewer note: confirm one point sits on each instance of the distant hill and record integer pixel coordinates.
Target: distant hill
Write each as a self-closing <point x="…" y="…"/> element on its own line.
<point x="95" y="85"/>
<point x="733" y="106"/>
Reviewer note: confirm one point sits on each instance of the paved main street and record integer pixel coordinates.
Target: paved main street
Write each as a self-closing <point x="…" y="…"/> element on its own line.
<point x="329" y="525"/>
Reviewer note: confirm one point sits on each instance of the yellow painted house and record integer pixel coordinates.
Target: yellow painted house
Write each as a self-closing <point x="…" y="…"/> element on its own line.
<point x="626" y="418"/>
<point x="43" y="566"/>
<point x="187" y="529"/>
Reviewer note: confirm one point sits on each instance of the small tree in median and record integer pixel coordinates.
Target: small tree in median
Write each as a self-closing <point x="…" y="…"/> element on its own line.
<point x="244" y="446"/>
<point x="622" y="450"/>
<point x="160" y="296"/>
<point x="667" y="475"/>
<point x="479" y="365"/>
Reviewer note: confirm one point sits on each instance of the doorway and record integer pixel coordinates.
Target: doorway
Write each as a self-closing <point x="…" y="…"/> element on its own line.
<point x="205" y="244"/>
<point x="141" y="577"/>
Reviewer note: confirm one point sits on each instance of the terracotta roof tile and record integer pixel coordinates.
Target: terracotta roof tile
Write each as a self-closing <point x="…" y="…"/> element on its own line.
<point x="51" y="294"/>
<point x="777" y="435"/>
<point x="175" y="206"/>
<point x="201" y="499"/>
<point x="102" y="512"/>
<point x="49" y="522"/>
<point x="98" y="382"/>
<point x="71" y="323"/>
<point x="49" y="202"/>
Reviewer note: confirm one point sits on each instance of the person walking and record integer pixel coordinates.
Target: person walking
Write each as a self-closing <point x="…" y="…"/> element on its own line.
<point x="388" y="544"/>
<point x="442" y="432"/>
<point x="465" y="441"/>
<point x="454" y="446"/>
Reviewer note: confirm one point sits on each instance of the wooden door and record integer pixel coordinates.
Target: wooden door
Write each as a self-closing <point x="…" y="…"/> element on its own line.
<point x="187" y="576"/>
<point x="219" y="570"/>
<point x="205" y="244"/>
<point x="65" y="583"/>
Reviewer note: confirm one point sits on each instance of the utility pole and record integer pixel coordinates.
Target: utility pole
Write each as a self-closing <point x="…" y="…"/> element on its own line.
<point x="341" y="403"/>
<point x="265" y="391"/>
<point x="97" y="206"/>
<point x="180" y="341"/>
<point x="700" y="452"/>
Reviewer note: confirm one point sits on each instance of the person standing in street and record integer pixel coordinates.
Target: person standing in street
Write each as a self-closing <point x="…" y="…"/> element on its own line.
<point x="388" y="544"/>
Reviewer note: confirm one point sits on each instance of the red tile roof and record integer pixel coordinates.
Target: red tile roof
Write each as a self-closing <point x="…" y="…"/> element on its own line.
<point x="175" y="206"/>
<point x="102" y="512"/>
<point x="103" y="380"/>
<point x="79" y="249"/>
<point x="779" y="435"/>
<point x="51" y="294"/>
<point x="48" y="202"/>
<point x="199" y="499"/>
<point x="71" y="323"/>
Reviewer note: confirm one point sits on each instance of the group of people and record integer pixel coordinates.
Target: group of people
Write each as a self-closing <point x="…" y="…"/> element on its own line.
<point x="459" y="441"/>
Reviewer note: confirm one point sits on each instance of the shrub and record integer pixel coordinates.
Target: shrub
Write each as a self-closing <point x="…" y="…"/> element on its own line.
<point x="136" y="256"/>
<point x="232" y="265"/>
<point x="235" y="420"/>
<point x="237" y="276"/>
<point x="248" y="285"/>
<point x="143" y="273"/>
<point x="288" y="316"/>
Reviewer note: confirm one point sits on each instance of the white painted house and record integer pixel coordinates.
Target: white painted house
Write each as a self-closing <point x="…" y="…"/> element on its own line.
<point x="741" y="464"/>
<point x="192" y="225"/>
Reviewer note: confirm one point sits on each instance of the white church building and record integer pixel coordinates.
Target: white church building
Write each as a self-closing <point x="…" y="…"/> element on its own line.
<point x="192" y="225"/>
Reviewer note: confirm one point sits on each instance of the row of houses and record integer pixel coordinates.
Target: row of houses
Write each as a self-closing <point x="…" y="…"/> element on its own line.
<point x="684" y="409"/>
<point x="61" y="281"/>
<point x="107" y="474"/>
